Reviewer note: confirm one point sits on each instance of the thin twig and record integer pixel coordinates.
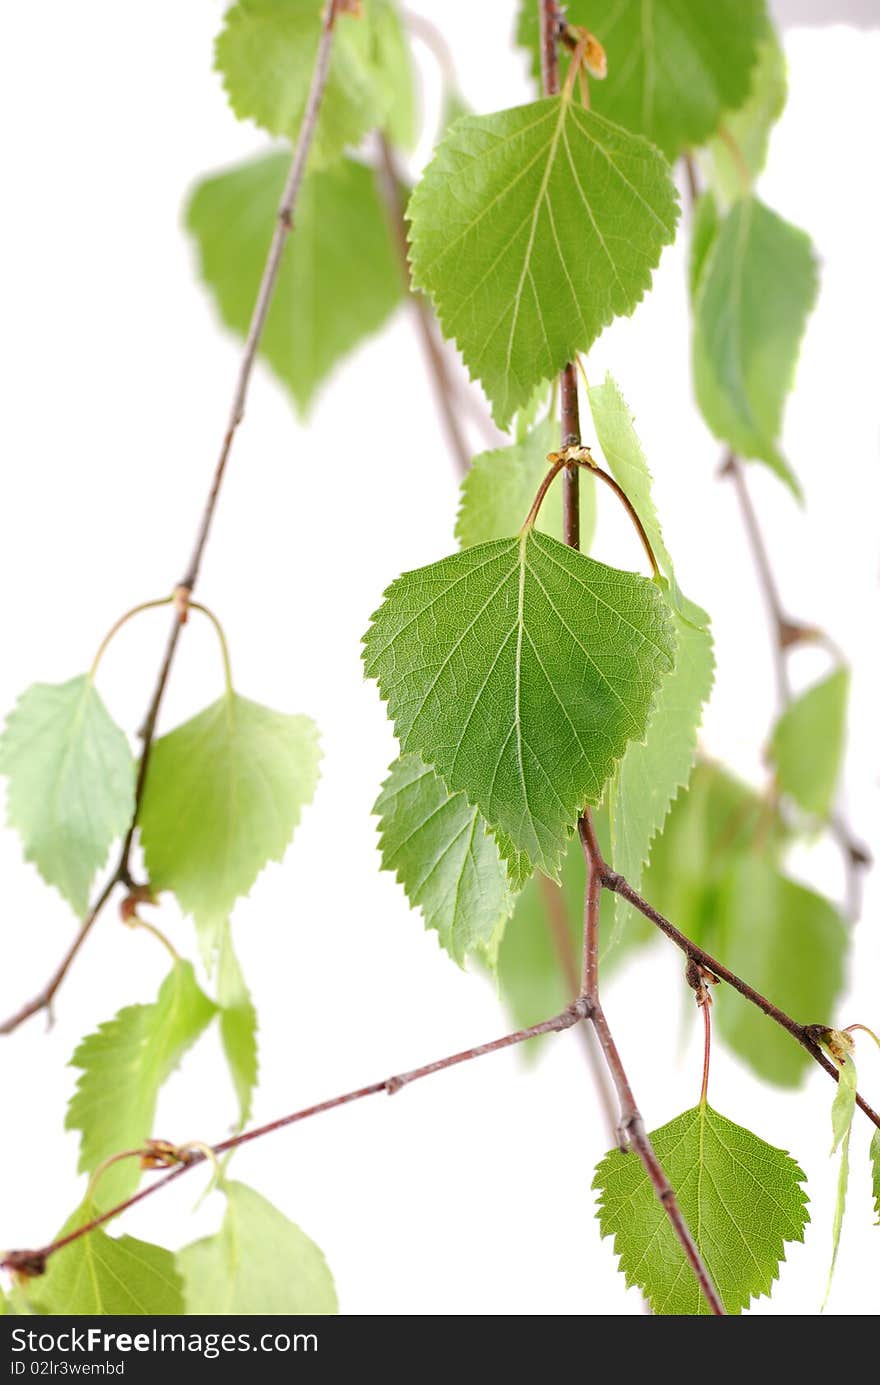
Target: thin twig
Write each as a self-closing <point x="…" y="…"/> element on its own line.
<point x="787" y="634"/>
<point x="556" y="919"/>
<point x="732" y="467"/>
<point x="283" y="226"/>
<point x="34" y="1261"/>
<point x="43" y="1001"/>
<point x="437" y="368"/>
<point x="803" y="1033"/>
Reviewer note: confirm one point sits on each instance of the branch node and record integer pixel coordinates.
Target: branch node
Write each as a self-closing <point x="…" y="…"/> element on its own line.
<point x="28" y="1264"/>
<point x="182" y="594"/>
<point x="394" y="1084"/>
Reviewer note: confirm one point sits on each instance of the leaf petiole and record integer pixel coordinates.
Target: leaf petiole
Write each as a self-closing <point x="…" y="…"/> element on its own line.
<point x="117" y="626"/>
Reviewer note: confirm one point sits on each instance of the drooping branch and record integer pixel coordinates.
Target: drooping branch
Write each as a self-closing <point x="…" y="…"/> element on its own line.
<point x="805" y="1034"/>
<point x="583" y="1008"/>
<point x="631" y="1126"/>
<point x="34" y="1261"/>
<point x="121" y="874"/>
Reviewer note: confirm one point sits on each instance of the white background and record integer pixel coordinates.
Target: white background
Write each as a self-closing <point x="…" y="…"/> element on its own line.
<point x="468" y="1193"/>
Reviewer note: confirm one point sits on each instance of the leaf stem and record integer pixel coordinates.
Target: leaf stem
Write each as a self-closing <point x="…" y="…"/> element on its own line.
<point x="706" y="1008"/>
<point x="221" y="636"/>
<point x="106" y="1164"/>
<point x="117" y="626"/>
<point x="283" y="227"/>
<point x="631" y="511"/>
<point x="546" y="483"/>
<point x="135" y="921"/>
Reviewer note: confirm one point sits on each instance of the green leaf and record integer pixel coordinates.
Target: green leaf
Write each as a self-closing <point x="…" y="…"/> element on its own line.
<point x="500" y="486"/>
<point x="748" y="129"/>
<point x="71" y="783"/>
<point x="652" y="771"/>
<point x="266" y="54"/>
<point x="531" y="229"/>
<point x="741" y="1198"/>
<point x="258" y="1264"/>
<point x="615" y="430"/>
<point x="520" y="669"/>
<point x="843" y="1108"/>
<point x="101" y="1275"/>
<point x="673" y="66"/>
<point x="755" y="293"/>
<point x="238" y="1024"/>
<point x="445" y="858"/>
<point x="705" y="224"/>
<point x="790" y="944"/>
<point x="223" y="795"/>
<point x="394" y="63"/>
<point x="339" y="279"/>
<point x="123" y="1066"/>
<point x="710" y="827"/>
<point x="875" y="1172"/>
<point x="808" y="742"/>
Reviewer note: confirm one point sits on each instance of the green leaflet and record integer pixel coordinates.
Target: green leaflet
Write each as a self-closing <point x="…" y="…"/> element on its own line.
<point x="755" y="293"/>
<point x="223" y="796"/>
<point x="445" y="858"/>
<point x="123" y="1066"/>
<point x="705" y="224"/>
<point x="808" y="742"/>
<point x="238" y="1024"/>
<point x="500" y="486"/>
<point x="101" y="1275"/>
<point x="673" y="65"/>
<point x="266" y="52"/>
<point x="788" y="943"/>
<point x="748" y="129"/>
<point x="843" y="1108"/>
<point x="516" y="236"/>
<point x="742" y="1199"/>
<point x="71" y="783"/>
<point x="520" y="669"/>
<point x="258" y="1264"/>
<point x="653" y="770"/>
<point x="339" y="279"/>
<point x="875" y="1172"/>
<point x="391" y="57"/>
<point x="711" y="826"/>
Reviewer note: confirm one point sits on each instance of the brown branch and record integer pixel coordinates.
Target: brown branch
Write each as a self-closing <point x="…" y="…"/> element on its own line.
<point x="783" y="628"/>
<point x="34" y="1261"/>
<point x="43" y="1001"/>
<point x="283" y="226"/>
<point x="556" y="919"/>
<point x="433" y="352"/>
<point x="805" y="1034"/>
<point x="631" y="1126"/>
